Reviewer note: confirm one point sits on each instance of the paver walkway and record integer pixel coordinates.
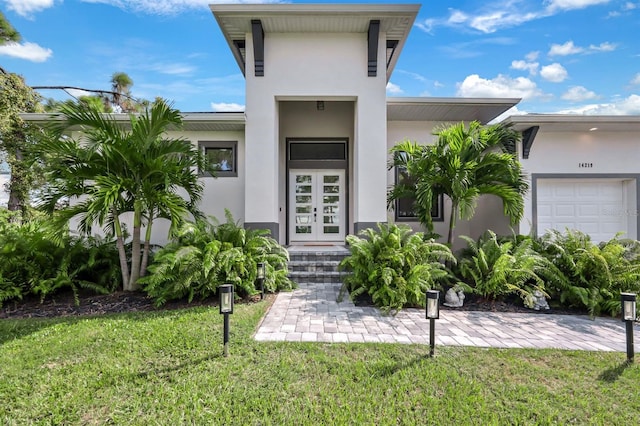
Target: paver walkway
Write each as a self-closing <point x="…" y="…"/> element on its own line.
<point x="311" y="314"/>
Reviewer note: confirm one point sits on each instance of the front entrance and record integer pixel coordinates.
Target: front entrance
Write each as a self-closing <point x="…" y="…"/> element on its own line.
<point x="317" y="205"/>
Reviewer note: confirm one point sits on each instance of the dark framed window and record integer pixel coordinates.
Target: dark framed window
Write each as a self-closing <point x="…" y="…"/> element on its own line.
<point x="222" y="157"/>
<point x="404" y="207"/>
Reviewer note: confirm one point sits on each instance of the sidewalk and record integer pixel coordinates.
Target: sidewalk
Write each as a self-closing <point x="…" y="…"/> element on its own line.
<point x="311" y="314"/>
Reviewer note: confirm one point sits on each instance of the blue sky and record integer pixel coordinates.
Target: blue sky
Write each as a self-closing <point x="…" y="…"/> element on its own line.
<point x="560" y="56"/>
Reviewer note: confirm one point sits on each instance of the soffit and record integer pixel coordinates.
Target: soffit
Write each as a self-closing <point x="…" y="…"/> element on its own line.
<point x="395" y="20"/>
<point x="447" y="109"/>
<point x="576" y="123"/>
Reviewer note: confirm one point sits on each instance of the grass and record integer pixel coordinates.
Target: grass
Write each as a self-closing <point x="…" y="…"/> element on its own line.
<point x="166" y="368"/>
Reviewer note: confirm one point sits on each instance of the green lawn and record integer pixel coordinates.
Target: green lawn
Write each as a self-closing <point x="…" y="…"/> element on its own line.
<point x="166" y="368"/>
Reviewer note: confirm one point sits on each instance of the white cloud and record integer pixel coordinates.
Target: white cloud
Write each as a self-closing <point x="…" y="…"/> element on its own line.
<point x="579" y="94"/>
<point x="29" y="51"/>
<point x="569" y="48"/>
<point x="532" y="56"/>
<point x="499" y="14"/>
<point x="226" y="107"/>
<point x="603" y="47"/>
<point x="500" y="87"/>
<point x="565" y="49"/>
<point x="413" y="75"/>
<point x="521" y="65"/>
<point x="554" y="5"/>
<point x="636" y="79"/>
<point x="394" y="89"/>
<point x="173" y="69"/>
<point x="626" y="106"/>
<point x="555" y="73"/>
<point x="167" y="7"/>
<point x="27" y="7"/>
<point x="508" y="113"/>
<point x="77" y="93"/>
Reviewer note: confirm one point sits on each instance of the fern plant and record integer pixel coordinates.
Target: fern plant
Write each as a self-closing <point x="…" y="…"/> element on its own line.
<point x="495" y="268"/>
<point x="204" y="255"/>
<point x="595" y="274"/>
<point x="394" y="265"/>
<point x="35" y="263"/>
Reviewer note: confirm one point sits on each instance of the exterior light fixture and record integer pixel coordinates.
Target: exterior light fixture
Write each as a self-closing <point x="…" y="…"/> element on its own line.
<point x="225" y="292"/>
<point x="432" y="314"/>
<point x="320" y="105"/>
<point x="628" y="301"/>
<point x="261" y="275"/>
<point x="593" y="129"/>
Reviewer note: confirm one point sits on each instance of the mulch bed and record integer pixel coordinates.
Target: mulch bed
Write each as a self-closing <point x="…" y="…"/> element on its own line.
<point x="474" y="302"/>
<point x="63" y="305"/>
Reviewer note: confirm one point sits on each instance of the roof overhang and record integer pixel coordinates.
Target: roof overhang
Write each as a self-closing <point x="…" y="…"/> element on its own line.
<point x="576" y="123"/>
<point x="191" y="121"/>
<point x="396" y="21"/>
<point x="447" y="109"/>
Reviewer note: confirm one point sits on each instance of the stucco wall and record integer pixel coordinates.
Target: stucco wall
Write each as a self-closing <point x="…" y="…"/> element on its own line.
<point x="610" y="154"/>
<point x="310" y="67"/>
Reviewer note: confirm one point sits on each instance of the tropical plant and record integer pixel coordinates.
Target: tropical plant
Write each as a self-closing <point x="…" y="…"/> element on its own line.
<point x="111" y="171"/>
<point x="595" y="275"/>
<point x="394" y="265"/>
<point x="204" y="255"/>
<point x="7" y="32"/>
<point x="497" y="267"/>
<point x="32" y="263"/>
<point x="464" y="163"/>
<point x="17" y="139"/>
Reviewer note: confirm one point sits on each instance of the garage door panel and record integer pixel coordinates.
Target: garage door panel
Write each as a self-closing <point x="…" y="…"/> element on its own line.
<point x="588" y="210"/>
<point x="587" y="205"/>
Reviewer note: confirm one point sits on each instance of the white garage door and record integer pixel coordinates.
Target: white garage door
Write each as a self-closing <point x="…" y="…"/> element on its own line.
<point x="594" y="206"/>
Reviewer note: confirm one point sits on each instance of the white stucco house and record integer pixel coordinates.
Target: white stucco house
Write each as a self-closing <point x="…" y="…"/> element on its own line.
<point x="307" y="159"/>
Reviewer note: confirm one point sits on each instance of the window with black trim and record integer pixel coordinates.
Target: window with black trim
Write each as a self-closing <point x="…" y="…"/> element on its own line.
<point x="404" y="209"/>
<point x="222" y="157"/>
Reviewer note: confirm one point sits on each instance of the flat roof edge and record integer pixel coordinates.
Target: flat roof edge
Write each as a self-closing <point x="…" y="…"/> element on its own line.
<point x="451" y="101"/>
<point x="324" y="8"/>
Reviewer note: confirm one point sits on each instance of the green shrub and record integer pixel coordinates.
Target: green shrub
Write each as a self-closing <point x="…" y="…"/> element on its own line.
<point x="394" y="265"/>
<point x="595" y="275"/>
<point x="204" y="255"/>
<point x="33" y="262"/>
<point x="495" y="268"/>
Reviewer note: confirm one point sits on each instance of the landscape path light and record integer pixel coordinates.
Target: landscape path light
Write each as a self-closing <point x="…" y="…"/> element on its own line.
<point x="432" y="314"/>
<point x="628" y="301"/>
<point x="226" y="308"/>
<point x="261" y="275"/>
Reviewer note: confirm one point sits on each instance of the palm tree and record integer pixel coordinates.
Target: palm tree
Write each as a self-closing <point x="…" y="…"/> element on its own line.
<point x="120" y="99"/>
<point x="112" y="171"/>
<point x="463" y="164"/>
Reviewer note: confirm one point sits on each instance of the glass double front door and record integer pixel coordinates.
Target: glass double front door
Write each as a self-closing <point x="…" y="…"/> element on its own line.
<point x="316" y="205"/>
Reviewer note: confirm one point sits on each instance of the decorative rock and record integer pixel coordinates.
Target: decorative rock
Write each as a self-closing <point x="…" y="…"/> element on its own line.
<point x="453" y="299"/>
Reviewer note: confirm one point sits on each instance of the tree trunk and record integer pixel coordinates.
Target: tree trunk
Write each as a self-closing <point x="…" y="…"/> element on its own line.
<point x="16" y="201"/>
<point x="122" y="254"/>
<point x="145" y="250"/>
<point x="452" y="223"/>
<point x="135" y="246"/>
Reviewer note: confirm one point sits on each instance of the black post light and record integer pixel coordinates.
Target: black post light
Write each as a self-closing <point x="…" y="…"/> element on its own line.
<point x="226" y="307"/>
<point x="260" y="275"/>
<point x="432" y="314"/>
<point x="628" y="301"/>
